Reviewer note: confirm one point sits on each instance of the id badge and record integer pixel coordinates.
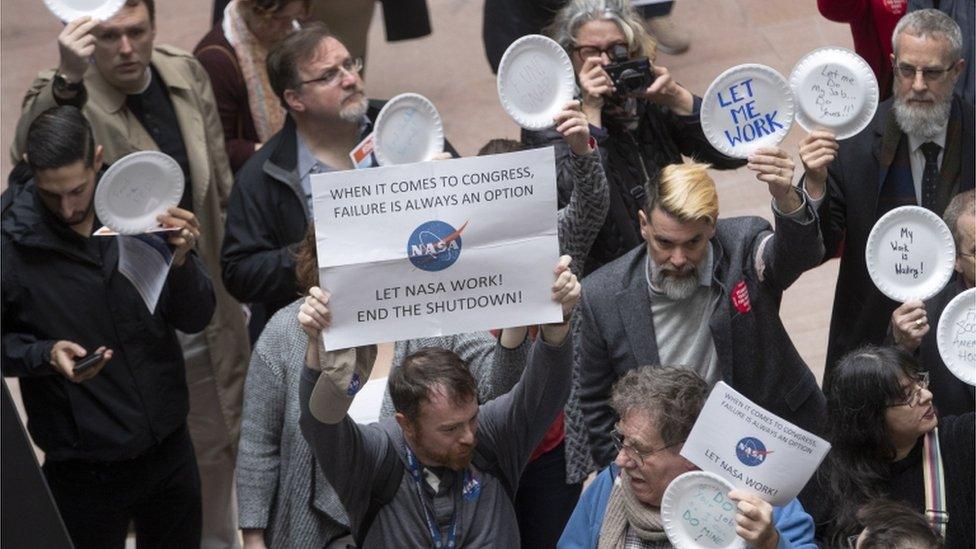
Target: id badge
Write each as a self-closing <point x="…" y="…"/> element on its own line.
<point x="362" y="154"/>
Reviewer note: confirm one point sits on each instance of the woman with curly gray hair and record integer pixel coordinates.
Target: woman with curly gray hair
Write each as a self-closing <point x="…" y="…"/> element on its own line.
<point x="658" y="406"/>
<point x="638" y="131"/>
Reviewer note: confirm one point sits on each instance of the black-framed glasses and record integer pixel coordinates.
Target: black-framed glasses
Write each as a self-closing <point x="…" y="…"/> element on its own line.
<point x="929" y="74"/>
<point x="922" y="382"/>
<point x="586" y="51"/>
<point x="331" y="76"/>
<point x="634" y="453"/>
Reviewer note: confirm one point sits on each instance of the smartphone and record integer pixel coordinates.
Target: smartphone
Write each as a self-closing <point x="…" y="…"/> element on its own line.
<point x="87" y="363"/>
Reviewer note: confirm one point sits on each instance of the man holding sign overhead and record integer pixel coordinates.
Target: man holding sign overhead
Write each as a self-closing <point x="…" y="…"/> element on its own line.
<point x="443" y="472"/>
<point x="914" y="152"/>
<point x="703" y="292"/>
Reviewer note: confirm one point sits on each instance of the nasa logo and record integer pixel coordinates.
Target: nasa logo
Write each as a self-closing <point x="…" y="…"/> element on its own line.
<point x="434" y="245"/>
<point x="354" y="385"/>
<point x="751" y="451"/>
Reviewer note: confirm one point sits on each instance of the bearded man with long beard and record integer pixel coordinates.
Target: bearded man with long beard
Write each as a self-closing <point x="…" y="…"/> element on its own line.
<point x="327" y="115"/>
<point x="916" y="151"/>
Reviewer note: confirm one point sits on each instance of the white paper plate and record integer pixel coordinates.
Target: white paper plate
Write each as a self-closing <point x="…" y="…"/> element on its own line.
<point x="747" y="107"/>
<point x="957" y="336"/>
<point x="835" y="90"/>
<point x="535" y="80"/>
<point x="408" y="129"/>
<point x="697" y="513"/>
<point x="136" y="189"/>
<point x="910" y="254"/>
<point x="69" y="10"/>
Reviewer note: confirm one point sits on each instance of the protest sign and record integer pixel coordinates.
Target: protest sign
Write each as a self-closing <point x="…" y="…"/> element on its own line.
<point x="835" y="90"/>
<point x="752" y="448"/>
<point x="747" y="107"/>
<point x="910" y="254"/>
<point x="696" y="512"/>
<point x="437" y="248"/>
<point x="956" y="336"/>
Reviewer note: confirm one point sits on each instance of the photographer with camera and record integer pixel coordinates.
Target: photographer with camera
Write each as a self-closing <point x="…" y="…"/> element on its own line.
<point x="641" y="118"/>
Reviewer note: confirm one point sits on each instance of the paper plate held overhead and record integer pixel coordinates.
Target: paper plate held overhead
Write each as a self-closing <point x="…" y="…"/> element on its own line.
<point x="697" y="513"/>
<point x="957" y="336"/>
<point x="69" y="10"/>
<point x="408" y="129"/>
<point x="535" y="80"/>
<point x="835" y="90"/>
<point x="747" y="107"/>
<point x="137" y="188"/>
<point x="910" y="254"/>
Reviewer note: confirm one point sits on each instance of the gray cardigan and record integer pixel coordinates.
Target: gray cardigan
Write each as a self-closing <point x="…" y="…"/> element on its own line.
<point x="279" y="487"/>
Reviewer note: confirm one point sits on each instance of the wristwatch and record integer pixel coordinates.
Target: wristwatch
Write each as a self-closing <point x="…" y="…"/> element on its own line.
<point x="63" y="87"/>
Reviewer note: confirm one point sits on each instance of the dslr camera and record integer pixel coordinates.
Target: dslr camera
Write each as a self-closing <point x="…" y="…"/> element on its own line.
<point x="629" y="76"/>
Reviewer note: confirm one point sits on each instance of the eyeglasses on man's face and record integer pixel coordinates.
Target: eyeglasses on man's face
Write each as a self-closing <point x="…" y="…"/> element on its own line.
<point x="929" y="74"/>
<point x="919" y="384"/>
<point x="634" y="453"/>
<point x="334" y="75"/>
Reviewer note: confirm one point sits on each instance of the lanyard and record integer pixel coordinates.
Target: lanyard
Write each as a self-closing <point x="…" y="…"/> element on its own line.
<point x="934" y="477"/>
<point x="435" y="533"/>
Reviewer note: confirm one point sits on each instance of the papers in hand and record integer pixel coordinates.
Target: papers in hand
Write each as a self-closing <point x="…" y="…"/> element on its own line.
<point x="145" y="260"/>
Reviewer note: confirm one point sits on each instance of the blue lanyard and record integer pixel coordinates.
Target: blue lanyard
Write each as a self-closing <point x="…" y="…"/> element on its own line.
<point x="435" y="533"/>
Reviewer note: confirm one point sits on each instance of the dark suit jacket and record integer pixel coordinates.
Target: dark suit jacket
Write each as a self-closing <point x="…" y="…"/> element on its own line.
<point x="755" y="353"/>
<point x="861" y="312"/>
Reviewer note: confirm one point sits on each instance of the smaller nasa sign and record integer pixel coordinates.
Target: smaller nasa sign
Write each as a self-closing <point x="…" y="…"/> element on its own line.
<point x="437" y="248"/>
<point x="752" y="448"/>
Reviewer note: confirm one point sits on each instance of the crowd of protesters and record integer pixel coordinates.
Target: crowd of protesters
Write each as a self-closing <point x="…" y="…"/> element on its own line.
<point x="218" y="419"/>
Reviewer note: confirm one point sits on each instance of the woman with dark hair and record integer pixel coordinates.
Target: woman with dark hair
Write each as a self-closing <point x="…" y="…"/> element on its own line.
<point x="283" y="498"/>
<point x="233" y="54"/>
<point x="888" y="442"/>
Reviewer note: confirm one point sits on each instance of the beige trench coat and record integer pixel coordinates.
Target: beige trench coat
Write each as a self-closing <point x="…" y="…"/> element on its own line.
<point x="120" y="133"/>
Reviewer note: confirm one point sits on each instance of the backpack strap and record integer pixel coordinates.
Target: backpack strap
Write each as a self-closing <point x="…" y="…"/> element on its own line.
<point x="383" y="491"/>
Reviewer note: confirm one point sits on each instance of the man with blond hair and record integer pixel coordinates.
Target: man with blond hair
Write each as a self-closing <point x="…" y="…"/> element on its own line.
<point x="703" y="293"/>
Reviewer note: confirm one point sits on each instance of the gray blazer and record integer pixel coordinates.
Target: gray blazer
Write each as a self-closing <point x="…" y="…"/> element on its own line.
<point x="755" y="354"/>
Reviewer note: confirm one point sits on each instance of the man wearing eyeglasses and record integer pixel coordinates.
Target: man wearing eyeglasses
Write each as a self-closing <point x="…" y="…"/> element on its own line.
<point x="327" y="116"/>
<point x="138" y="95"/>
<point x="916" y="151"/>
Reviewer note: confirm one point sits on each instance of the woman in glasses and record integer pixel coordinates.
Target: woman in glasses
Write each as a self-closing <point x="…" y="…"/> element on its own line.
<point x="621" y="508"/>
<point x="888" y="442"/>
<point x="640" y="124"/>
<point x="234" y="53"/>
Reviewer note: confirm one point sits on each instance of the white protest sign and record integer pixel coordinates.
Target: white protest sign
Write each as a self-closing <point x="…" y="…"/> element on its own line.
<point x="437" y="248"/>
<point x="956" y="336"/>
<point x="835" y="90"/>
<point x="752" y="448"/>
<point x="910" y="254"/>
<point x="747" y="107"/>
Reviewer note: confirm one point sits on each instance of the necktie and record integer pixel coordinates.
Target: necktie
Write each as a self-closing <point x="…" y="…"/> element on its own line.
<point x="930" y="175"/>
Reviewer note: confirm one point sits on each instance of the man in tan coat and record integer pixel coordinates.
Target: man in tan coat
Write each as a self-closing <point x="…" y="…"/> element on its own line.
<point x="141" y="97"/>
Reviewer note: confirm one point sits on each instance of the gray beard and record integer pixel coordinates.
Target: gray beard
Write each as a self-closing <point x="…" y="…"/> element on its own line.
<point x="924" y="122"/>
<point x="675" y="287"/>
<point x="355" y="113"/>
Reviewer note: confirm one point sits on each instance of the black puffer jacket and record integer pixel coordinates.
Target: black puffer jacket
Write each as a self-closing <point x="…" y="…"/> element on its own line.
<point x="660" y="139"/>
<point x="58" y="285"/>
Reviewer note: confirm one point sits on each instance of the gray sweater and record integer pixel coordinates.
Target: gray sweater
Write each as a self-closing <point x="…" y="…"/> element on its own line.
<point x="509" y="427"/>
<point x="279" y="487"/>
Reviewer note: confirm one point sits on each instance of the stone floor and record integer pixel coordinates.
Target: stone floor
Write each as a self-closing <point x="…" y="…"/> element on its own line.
<point x="449" y="67"/>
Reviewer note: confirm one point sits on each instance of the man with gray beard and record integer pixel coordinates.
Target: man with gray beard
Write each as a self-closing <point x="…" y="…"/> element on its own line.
<point x="916" y="151"/>
<point x="328" y="115"/>
<point x="703" y="293"/>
